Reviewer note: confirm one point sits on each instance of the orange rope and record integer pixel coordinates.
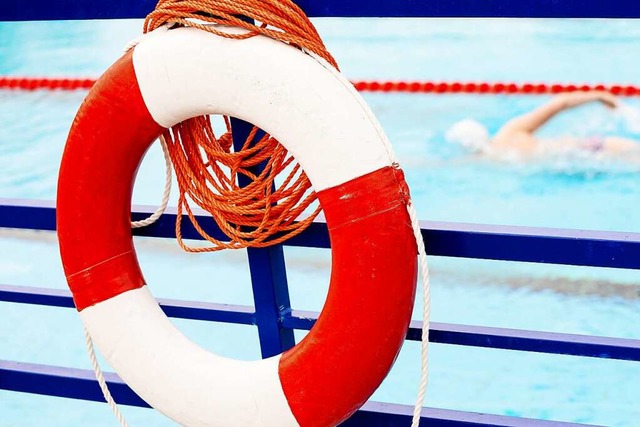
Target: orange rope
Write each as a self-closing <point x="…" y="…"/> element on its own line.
<point x="263" y="212"/>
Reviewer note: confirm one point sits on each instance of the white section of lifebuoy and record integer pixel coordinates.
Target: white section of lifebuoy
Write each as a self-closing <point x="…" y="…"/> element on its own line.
<point x="319" y="118"/>
<point x="150" y="354"/>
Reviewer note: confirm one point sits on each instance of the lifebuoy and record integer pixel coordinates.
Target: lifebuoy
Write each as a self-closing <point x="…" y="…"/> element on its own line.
<point x="313" y="111"/>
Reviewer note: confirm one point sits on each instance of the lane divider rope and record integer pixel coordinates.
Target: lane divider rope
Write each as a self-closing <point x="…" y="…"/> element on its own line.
<point x="435" y="87"/>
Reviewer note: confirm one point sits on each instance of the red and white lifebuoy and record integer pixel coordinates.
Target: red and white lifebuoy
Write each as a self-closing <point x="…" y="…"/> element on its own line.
<point x="313" y="111"/>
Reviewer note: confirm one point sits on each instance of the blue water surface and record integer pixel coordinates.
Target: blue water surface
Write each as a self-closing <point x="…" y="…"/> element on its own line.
<point x="447" y="184"/>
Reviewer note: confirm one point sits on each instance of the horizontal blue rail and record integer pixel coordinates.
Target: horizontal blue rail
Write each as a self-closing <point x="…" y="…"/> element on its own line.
<point x="443" y="333"/>
<point x="192" y="310"/>
<point x="495" y="242"/>
<point x="81" y="384"/>
<point x="39" y="10"/>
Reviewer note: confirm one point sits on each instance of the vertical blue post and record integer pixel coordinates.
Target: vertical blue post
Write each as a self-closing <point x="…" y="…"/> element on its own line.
<point x="268" y="275"/>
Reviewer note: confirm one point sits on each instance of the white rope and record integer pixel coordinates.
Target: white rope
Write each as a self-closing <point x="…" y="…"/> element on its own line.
<point x="167" y="161"/>
<point x="422" y="256"/>
<point x="103" y="384"/>
<point x="132" y="43"/>
<point x="167" y="190"/>
<point x="426" y="315"/>
<point x="135" y="224"/>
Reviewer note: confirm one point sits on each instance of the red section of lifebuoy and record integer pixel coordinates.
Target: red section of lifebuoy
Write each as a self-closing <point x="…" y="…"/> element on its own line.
<point x="108" y="138"/>
<point x="373" y="261"/>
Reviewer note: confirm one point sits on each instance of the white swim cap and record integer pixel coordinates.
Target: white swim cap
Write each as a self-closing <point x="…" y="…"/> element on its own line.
<point x="470" y="134"/>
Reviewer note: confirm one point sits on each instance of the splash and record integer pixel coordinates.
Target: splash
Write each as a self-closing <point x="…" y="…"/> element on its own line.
<point x="629" y="117"/>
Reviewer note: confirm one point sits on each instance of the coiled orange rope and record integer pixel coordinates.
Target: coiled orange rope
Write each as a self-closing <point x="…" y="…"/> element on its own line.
<point x="207" y="170"/>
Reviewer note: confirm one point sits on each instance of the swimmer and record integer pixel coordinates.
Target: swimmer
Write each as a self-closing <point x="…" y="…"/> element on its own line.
<point x="516" y="138"/>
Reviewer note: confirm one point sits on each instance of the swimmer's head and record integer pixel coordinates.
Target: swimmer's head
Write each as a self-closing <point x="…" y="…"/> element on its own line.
<point x="470" y="134"/>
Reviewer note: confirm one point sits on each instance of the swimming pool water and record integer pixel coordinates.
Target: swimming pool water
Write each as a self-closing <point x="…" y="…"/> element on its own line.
<point x="447" y="184"/>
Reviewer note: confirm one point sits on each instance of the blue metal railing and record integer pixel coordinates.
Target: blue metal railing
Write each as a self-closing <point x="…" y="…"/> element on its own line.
<point x="480" y="241"/>
<point x="272" y="312"/>
<point x="443" y="333"/>
<point x="459" y="240"/>
<point x="40" y="10"/>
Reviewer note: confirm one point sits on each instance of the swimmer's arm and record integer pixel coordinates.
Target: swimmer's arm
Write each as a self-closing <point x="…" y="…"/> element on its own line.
<point x="530" y="122"/>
